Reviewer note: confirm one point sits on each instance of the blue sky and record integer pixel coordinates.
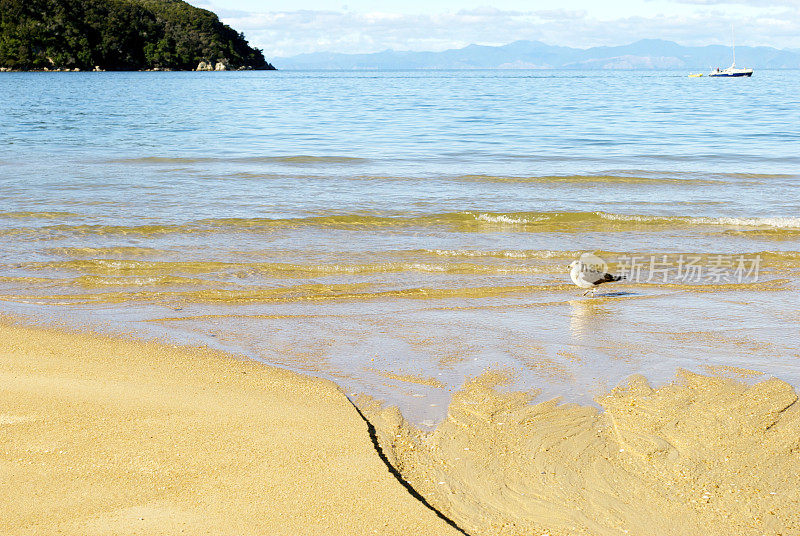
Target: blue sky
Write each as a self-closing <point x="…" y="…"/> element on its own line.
<point x="284" y="28"/>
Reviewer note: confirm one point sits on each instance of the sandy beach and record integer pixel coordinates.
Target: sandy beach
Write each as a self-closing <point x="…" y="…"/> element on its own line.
<point x="104" y="435"/>
<point x="489" y="271"/>
<point x="108" y="436"/>
<point x="702" y="455"/>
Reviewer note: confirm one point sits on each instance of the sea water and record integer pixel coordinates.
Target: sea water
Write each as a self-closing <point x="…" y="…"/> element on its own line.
<point x="399" y="232"/>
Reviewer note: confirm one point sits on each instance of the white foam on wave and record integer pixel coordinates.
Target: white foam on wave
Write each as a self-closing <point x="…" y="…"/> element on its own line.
<point x="775" y="222"/>
<point x="778" y="223"/>
<point x="510" y="254"/>
<point x="501" y="218"/>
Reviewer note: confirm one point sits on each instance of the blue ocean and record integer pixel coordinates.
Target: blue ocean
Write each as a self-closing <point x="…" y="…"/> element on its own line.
<point x="400" y="232"/>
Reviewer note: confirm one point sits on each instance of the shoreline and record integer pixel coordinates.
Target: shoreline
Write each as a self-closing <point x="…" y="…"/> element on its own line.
<point x="104" y="435"/>
<point x="111" y="435"/>
<point x="701" y="455"/>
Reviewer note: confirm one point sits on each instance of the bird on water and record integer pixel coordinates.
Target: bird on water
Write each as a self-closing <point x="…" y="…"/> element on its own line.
<point x="589" y="276"/>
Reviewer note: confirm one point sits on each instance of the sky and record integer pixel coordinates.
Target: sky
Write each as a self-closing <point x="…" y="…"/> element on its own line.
<point x="286" y="28"/>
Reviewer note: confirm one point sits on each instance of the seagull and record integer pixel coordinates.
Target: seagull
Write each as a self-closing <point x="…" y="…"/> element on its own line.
<point x="589" y="277"/>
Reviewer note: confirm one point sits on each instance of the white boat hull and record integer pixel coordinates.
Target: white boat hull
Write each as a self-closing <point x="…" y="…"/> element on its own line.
<point x="732" y="72"/>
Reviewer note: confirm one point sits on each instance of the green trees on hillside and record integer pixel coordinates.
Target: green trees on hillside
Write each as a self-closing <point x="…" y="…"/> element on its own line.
<point x="118" y="35"/>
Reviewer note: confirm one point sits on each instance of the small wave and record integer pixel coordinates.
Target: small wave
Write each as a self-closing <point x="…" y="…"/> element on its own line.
<point x="90" y="281"/>
<point x="468" y="221"/>
<point x="143" y="269"/>
<point x="505" y="254"/>
<point x="126" y="251"/>
<point x="777" y="259"/>
<point x="519" y="219"/>
<point x="303" y="159"/>
<point x="770" y="234"/>
<point x="584" y="179"/>
<point x="38" y="215"/>
<point x="55" y="231"/>
<point x="295" y="293"/>
<point x="768" y="285"/>
<point x="600" y="217"/>
<point x="778" y="223"/>
<point x="296" y="159"/>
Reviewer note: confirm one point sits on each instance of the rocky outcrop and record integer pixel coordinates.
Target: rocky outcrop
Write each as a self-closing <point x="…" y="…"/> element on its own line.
<point x="220" y="65"/>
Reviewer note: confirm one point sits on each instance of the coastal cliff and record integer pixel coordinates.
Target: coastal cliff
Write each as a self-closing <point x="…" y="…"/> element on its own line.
<point x="127" y="35"/>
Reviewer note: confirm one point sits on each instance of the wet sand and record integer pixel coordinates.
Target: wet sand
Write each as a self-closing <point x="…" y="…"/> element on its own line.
<point x="703" y="455"/>
<point x="108" y="436"/>
<point x="112" y="436"/>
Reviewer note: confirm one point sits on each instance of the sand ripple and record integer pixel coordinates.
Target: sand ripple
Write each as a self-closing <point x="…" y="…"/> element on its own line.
<point x="700" y="456"/>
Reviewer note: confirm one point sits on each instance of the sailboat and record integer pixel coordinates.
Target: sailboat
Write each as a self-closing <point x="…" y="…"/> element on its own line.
<point x="733" y="70"/>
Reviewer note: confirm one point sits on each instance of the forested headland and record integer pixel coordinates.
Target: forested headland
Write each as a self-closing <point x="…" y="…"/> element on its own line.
<point x="119" y="35"/>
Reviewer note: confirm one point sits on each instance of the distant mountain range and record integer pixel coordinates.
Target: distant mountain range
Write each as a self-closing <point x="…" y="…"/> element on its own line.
<point x="647" y="54"/>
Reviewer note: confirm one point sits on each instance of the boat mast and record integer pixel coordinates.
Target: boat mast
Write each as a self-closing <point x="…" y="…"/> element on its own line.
<point x="733" y="43"/>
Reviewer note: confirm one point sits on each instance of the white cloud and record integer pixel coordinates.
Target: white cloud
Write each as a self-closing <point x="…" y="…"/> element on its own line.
<point x="756" y="3"/>
<point x="286" y="33"/>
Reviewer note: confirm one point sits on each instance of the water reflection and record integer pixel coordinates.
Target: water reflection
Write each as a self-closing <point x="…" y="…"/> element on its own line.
<point x="588" y="319"/>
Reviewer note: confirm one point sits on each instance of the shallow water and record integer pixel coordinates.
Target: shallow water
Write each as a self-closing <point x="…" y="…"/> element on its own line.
<point x="401" y="231"/>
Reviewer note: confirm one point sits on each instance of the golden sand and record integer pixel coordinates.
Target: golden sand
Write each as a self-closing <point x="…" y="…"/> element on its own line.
<point x="409" y="378"/>
<point x="113" y="437"/>
<point x="703" y="456"/>
<point x="109" y="436"/>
